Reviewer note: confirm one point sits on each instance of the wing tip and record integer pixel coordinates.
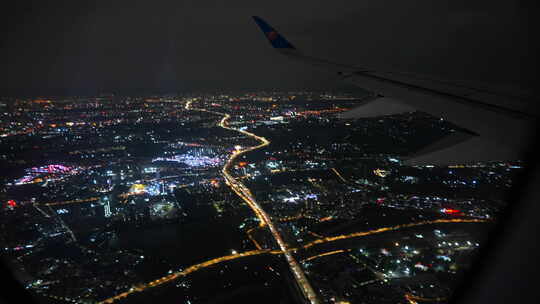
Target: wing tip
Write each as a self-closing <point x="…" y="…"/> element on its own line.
<point x="276" y="39"/>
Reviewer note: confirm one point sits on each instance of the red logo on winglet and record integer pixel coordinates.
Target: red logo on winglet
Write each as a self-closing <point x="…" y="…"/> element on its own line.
<point x="272" y="35"/>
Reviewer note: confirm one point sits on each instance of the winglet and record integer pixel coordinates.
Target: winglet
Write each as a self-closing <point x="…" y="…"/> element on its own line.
<point x="273" y="36"/>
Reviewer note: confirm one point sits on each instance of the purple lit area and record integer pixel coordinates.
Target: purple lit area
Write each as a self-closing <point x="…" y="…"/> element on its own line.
<point x="46" y="173"/>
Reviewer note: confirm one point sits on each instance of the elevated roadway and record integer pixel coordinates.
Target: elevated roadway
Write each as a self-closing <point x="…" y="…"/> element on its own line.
<point x="243" y="192"/>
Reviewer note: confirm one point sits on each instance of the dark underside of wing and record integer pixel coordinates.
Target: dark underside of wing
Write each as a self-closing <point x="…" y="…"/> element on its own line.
<point x="502" y="132"/>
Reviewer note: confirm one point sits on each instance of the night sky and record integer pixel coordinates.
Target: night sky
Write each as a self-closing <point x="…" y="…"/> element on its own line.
<point x="174" y="46"/>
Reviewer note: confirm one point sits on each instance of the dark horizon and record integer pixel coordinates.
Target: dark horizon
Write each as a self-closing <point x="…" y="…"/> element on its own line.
<point x="170" y="46"/>
<point x="51" y="93"/>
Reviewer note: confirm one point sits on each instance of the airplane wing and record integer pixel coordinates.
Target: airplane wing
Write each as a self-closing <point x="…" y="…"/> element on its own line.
<point x="503" y="122"/>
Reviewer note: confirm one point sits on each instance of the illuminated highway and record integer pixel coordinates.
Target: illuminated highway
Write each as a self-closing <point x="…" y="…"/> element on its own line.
<point x="243" y="192"/>
<point x="384" y="229"/>
<point x="324" y="254"/>
<point x="91" y="199"/>
<point x="411" y="298"/>
<point x="339" y="175"/>
<point x="190" y="269"/>
<point x="252" y="239"/>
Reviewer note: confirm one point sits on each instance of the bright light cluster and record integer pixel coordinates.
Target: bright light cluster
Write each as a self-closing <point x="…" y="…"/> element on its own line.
<point x="191" y="160"/>
<point x="38" y="174"/>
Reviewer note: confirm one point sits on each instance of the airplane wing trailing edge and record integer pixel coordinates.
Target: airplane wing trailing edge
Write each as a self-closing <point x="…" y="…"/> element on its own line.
<point x="502" y="123"/>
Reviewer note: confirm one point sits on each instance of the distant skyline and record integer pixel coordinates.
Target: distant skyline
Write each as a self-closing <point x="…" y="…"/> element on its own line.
<point x="182" y="46"/>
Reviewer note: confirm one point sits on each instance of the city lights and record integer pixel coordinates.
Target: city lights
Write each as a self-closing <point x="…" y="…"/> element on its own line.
<point x="106" y="197"/>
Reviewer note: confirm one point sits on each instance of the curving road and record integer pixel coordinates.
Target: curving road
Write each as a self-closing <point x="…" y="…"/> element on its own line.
<point x="243" y="192"/>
